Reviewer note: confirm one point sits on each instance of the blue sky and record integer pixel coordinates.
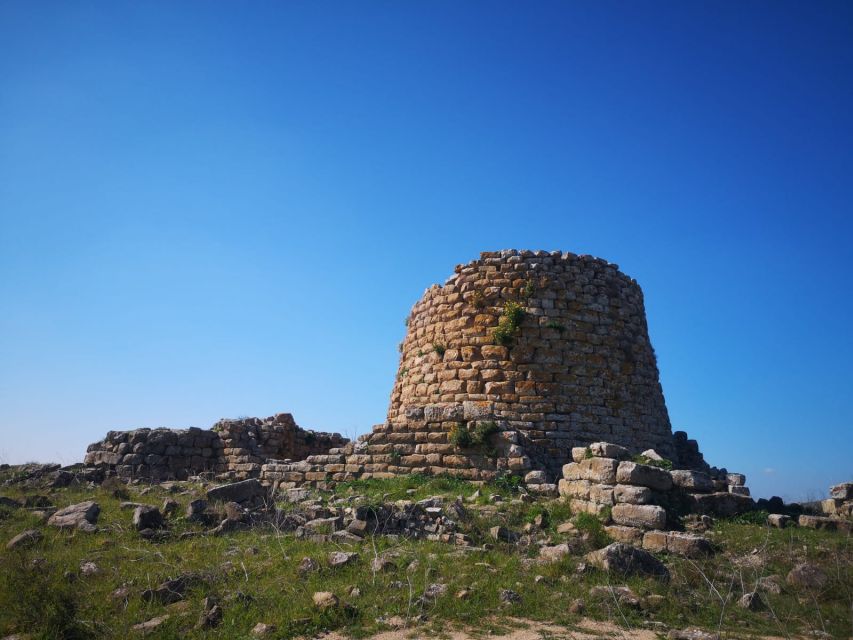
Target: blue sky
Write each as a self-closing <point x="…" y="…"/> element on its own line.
<point x="214" y="209"/>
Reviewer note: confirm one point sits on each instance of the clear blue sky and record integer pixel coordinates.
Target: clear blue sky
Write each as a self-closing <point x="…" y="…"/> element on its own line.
<point x="214" y="209"/>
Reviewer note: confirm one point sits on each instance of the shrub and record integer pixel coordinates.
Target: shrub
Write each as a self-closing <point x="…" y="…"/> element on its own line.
<point x="555" y="325"/>
<point x="528" y="290"/>
<point x="508" y="324"/>
<point x="460" y="437"/>
<point x="508" y="482"/>
<point x="482" y="431"/>
<point x="439" y="348"/>
<point x="478" y="300"/>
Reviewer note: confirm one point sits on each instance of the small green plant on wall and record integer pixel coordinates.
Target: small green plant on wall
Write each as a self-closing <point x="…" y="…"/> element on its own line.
<point x="508" y="324"/>
<point x="439" y="348"/>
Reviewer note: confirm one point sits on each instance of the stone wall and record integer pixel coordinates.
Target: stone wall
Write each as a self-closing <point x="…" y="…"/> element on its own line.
<point x="232" y="448"/>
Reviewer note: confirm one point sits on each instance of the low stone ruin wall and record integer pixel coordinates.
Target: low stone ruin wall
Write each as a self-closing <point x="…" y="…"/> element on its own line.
<point x="605" y="480"/>
<point x="234" y="449"/>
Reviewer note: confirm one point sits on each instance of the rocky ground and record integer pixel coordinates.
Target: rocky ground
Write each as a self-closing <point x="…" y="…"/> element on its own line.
<point x="403" y="557"/>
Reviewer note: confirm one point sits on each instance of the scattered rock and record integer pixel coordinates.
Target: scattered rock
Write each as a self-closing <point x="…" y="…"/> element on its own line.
<point x="236" y="492"/>
<point x="577" y="606"/>
<point x="170" y="507"/>
<point x="502" y="534"/>
<point x="150" y="625"/>
<point x="807" y="576"/>
<point x="263" y="630"/>
<point x="554" y="553"/>
<point x="308" y="565"/>
<point x="382" y="564"/>
<point x="435" y="590"/>
<point x="89" y="568"/>
<point x="770" y="584"/>
<point x="211" y="614"/>
<point x="325" y="600"/>
<point x="24" y="539"/>
<point x="778" y="520"/>
<point x="147" y="517"/>
<point x="509" y="596"/>
<point x="623" y="595"/>
<point x="341" y="558"/>
<point x="196" y="510"/>
<point x="171" y="590"/>
<point x="751" y="601"/>
<point x="627" y="560"/>
<point x="76" y="515"/>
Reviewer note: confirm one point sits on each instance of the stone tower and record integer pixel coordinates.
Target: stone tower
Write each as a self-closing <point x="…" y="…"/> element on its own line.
<point x="551" y="347"/>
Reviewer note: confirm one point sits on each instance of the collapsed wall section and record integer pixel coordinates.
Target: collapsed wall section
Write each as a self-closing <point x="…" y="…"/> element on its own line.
<point x="232" y="448"/>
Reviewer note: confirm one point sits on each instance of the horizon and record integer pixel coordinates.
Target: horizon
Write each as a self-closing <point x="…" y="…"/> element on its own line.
<point x="209" y="213"/>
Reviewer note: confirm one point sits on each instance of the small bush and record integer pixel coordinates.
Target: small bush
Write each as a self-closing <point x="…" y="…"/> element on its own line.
<point x="460" y="437"/>
<point x="395" y="458"/>
<point x="555" y="325"/>
<point x="508" y="482"/>
<point x="439" y="348"/>
<point x="528" y="290"/>
<point x="508" y="324"/>
<point x="478" y="300"/>
<point x="482" y="431"/>
<point x="751" y="517"/>
<point x="590" y="524"/>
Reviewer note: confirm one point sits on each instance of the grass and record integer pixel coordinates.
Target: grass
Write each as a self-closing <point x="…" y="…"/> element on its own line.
<point x="254" y="573"/>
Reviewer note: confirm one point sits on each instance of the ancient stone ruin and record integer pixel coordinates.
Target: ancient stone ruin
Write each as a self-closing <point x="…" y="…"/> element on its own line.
<point x="518" y="358"/>
<point x="232" y="448"/>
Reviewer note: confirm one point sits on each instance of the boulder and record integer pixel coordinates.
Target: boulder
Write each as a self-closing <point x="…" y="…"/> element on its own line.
<point x="553" y="553"/>
<point x="147" y="517"/>
<point x="325" y="600"/>
<point x="822" y="522"/>
<point x="24" y="539"/>
<point x="643" y="475"/>
<point x="77" y="515"/>
<point x="243" y="491"/>
<point x="778" y="520"/>
<point x="626" y="560"/>
<point x="807" y="576"/>
<point x="341" y="558"/>
<point x="647" y="516"/>
<point x="535" y="477"/>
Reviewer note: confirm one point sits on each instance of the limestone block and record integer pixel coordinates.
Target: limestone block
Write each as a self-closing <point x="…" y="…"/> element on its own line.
<point x="628" y="535"/>
<point x="600" y="470"/>
<point x="631" y="494"/>
<point x="695" y="481"/>
<point x="643" y="475"/>
<point x="608" y="450"/>
<point x="646" y="516"/>
<point x="574" y="488"/>
<point x="736" y="479"/>
<point x="585" y="506"/>
<point x="720" y="504"/>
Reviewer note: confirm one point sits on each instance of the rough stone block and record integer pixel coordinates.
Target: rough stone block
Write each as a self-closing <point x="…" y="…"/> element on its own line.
<point x="646" y="516"/>
<point x="643" y="475"/>
<point x="694" y="481"/>
<point x="631" y="494"/>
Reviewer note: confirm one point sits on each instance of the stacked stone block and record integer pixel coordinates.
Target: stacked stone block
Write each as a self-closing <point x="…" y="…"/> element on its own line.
<point x="642" y="501"/>
<point x="232" y="448"/>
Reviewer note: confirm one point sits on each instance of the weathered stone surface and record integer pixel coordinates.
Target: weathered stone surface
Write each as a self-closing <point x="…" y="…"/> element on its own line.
<point x="598" y="470"/>
<point x="76" y="515"/>
<point x="147" y="517"/>
<point x="778" y="520"/>
<point x="625" y="559"/>
<point x="843" y="491"/>
<point x="643" y="475"/>
<point x="821" y="522"/>
<point x="689" y="545"/>
<point x="24" y="539"/>
<point x="608" y="450"/>
<point x="691" y="634"/>
<point x="693" y="481"/>
<point x="236" y="492"/>
<point x="720" y="504"/>
<point x="325" y="600"/>
<point x="150" y="625"/>
<point x="554" y="553"/>
<point x="647" y="516"/>
<point x="631" y="494"/>
<point x="628" y="535"/>
<point x="807" y="576"/>
<point x="341" y="558"/>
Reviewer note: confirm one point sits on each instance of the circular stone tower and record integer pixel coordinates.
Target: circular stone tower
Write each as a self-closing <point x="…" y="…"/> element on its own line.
<point x="519" y="357"/>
